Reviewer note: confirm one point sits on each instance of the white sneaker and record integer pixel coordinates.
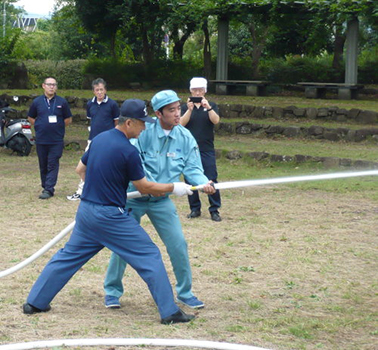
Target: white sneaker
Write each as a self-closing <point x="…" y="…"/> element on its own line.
<point x="74" y="197"/>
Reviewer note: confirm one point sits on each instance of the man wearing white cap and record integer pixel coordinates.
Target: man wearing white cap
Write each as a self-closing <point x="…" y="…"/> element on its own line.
<point x="199" y="116"/>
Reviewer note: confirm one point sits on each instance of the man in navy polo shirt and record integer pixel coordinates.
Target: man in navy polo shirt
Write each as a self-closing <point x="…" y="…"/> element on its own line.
<point x="50" y="114"/>
<point x="103" y="112"/>
<point x="110" y="163"/>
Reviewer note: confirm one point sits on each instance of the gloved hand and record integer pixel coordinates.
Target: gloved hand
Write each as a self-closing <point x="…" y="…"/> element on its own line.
<point x="181" y="189"/>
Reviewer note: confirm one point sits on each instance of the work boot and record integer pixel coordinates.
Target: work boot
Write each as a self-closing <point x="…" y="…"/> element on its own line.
<point x="215" y="216"/>
<point x="30" y="309"/>
<point x="194" y="214"/>
<point x="45" y="194"/>
<point x="178" y="317"/>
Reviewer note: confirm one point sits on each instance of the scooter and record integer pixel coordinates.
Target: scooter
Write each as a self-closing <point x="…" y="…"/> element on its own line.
<point x="15" y="134"/>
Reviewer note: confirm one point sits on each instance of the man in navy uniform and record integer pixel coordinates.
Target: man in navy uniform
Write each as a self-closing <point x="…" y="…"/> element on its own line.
<point x="50" y="114"/>
<point x="103" y="112"/>
<point x="102" y="220"/>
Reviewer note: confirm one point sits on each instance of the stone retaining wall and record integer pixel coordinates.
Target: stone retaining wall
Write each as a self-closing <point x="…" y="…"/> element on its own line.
<point x="330" y="113"/>
<point x="312" y="132"/>
<point x="328" y="162"/>
<point x="242" y="111"/>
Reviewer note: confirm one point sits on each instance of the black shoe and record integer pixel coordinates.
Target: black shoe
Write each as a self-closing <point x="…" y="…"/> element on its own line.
<point x="194" y="214"/>
<point x="215" y="216"/>
<point x="178" y="317"/>
<point x="45" y="194"/>
<point x="30" y="309"/>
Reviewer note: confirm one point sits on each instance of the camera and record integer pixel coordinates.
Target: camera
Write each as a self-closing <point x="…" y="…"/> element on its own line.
<point x="195" y="99"/>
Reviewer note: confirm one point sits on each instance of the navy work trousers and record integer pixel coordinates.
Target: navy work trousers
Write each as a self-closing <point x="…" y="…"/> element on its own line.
<point x="48" y="158"/>
<point x="97" y="227"/>
<point x="210" y="170"/>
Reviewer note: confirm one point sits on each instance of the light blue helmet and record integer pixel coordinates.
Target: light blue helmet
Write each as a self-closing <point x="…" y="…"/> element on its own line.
<point x="163" y="98"/>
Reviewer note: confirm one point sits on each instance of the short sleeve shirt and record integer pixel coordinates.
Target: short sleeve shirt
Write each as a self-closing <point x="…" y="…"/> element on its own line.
<point x="201" y="126"/>
<point x="112" y="162"/>
<point x="102" y="115"/>
<point x="49" y="118"/>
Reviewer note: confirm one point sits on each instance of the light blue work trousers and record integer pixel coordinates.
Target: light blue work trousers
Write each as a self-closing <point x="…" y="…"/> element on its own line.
<point x="163" y="215"/>
<point x="97" y="227"/>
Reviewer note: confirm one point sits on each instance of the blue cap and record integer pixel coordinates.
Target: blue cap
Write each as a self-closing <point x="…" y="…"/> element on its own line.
<point x="163" y="98"/>
<point x="137" y="109"/>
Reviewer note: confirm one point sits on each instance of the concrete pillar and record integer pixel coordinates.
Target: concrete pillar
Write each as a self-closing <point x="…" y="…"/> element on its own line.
<point x="222" y="58"/>
<point x="351" y="51"/>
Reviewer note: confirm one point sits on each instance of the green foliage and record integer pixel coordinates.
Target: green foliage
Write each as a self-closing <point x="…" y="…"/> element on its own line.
<point x="102" y="18"/>
<point x="159" y="73"/>
<point x="69" y="74"/>
<point x="34" y="46"/>
<point x="293" y="69"/>
<point x="69" y="38"/>
<point x="116" y="73"/>
<point x="368" y="66"/>
<point x="8" y="63"/>
<point x="8" y="68"/>
<point x="174" y="73"/>
<point x="8" y="43"/>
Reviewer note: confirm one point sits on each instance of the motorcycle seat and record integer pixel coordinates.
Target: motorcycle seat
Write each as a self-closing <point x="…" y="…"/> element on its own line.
<point x="11" y="121"/>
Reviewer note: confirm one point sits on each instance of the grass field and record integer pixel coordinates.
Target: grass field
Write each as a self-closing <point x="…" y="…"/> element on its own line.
<point x="290" y="266"/>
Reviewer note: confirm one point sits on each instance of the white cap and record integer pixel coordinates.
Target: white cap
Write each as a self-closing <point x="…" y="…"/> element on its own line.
<point x="197" y="83"/>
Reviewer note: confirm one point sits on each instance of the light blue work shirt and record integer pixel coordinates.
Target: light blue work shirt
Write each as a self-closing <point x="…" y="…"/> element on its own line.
<point x="165" y="158"/>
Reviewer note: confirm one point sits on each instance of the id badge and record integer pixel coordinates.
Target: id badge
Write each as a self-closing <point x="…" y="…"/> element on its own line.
<point x="171" y="154"/>
<point x="53" y="119"/>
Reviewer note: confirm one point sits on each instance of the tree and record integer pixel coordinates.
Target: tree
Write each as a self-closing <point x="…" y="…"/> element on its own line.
<point x="70" y="40"/>
<point x="144" y="19"/>
<point x="103" y="18"/>
<point x="337" y="12"/>
<point x="139" y="22"/>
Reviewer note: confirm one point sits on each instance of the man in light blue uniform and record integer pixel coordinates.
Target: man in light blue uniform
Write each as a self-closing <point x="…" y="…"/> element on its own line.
<point x="167" y="150"/>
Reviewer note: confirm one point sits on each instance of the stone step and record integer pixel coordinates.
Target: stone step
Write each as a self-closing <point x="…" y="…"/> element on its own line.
<point x="327" y="162"/>
<point x="234" y="111"/>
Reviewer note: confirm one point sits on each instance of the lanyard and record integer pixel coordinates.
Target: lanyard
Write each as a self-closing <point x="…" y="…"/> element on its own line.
<point x="48" y="105"/>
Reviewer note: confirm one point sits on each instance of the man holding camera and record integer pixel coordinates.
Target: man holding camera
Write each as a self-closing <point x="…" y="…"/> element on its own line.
<point x="199" y="116"/>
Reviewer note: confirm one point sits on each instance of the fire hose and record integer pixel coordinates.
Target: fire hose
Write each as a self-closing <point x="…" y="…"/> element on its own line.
<point x="218" y="186"/>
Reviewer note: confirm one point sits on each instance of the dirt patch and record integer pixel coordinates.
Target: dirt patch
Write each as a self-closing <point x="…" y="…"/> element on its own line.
<point x="287" y="268"/>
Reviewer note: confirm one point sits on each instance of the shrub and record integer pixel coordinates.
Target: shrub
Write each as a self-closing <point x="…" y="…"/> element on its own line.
<point x="160" y="73"/>
<point x="294" y="69"/>
<point x="69" y="74"/>
<point x="368" y="66"/>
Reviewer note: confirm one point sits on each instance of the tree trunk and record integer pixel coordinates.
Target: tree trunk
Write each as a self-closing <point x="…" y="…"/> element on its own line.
<point x="206" y="51"/>
<point x="147" y="53"/>
<point x="178" y="47"/>
<point x="338" y="47"/>
<point x="112" y="44"/>
<point x="259" y="42"/>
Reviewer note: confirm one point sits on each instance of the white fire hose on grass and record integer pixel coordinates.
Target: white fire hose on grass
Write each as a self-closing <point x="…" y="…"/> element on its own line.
<point x="203" y="344"/>
<point x="218" y="186"/>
